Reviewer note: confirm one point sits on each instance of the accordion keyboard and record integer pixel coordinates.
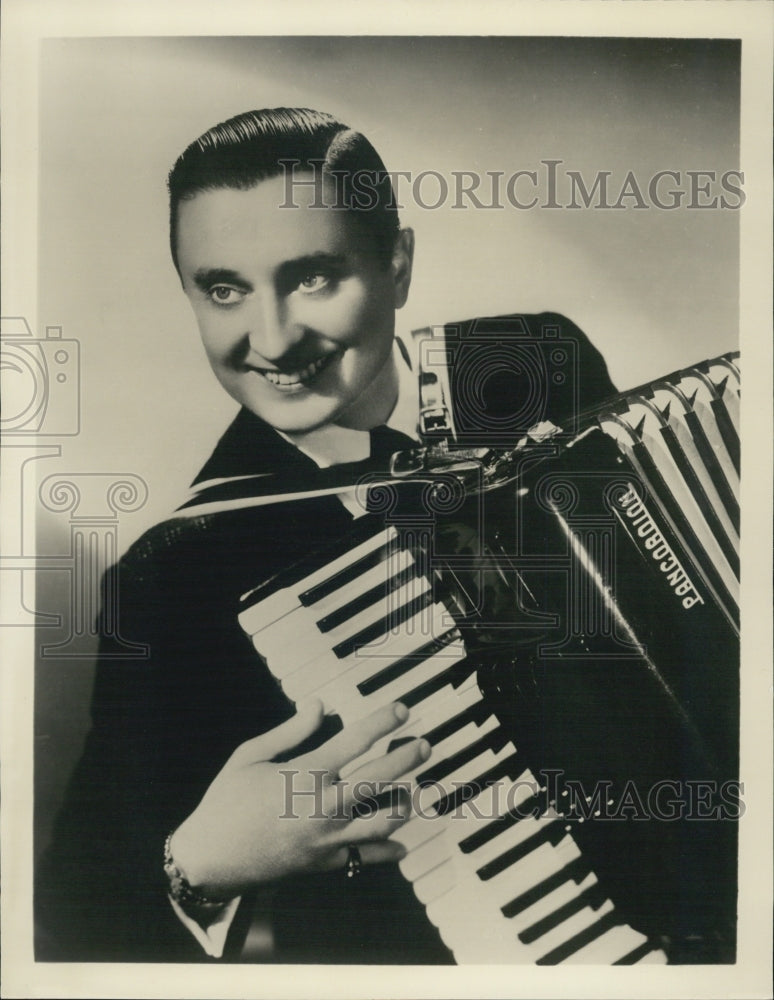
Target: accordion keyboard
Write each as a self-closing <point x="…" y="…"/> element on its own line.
<point x="501" y="879"/>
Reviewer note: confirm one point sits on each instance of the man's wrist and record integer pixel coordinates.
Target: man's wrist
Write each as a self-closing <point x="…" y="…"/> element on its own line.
<point x="180" y="889"/>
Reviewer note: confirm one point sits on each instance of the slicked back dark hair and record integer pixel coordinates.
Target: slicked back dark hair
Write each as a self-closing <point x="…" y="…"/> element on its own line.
<point x="258" y="145"/>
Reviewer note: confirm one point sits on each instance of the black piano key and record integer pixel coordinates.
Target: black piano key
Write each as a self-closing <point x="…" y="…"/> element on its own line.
<point x="349" y="573"/>
<point x="551" y="833"/>
<point x="397" y="616"/>
<point x="399" y="742"/>
<point x="594" y="897"/>
<point x="477" y="714"/>
<point x="578" y="941"/>
<point x="576" y="870"/>
<point x="486" y="833"/>
<point x="406" y="663"/>
<point x="454" y="675"/>
<point x="362" y="529"/>
<point x="365" y="600"/>
<point x="638" y="954"/>
<point x="494" y="740"/>
<point x="507" y="768"/>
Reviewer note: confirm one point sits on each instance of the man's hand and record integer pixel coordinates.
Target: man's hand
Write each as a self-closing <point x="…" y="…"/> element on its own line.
<point x="248" y="829"/>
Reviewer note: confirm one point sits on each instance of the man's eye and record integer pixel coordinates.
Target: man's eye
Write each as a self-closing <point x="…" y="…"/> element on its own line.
<point x="314" y="282"/>
<point x="225" y="295"/>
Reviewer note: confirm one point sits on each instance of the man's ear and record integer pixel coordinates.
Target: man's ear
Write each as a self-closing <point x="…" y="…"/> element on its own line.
<point x="402" y="263"/>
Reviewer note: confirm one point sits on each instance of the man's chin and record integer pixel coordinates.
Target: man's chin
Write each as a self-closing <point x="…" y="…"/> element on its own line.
<point x="304" y="421"/>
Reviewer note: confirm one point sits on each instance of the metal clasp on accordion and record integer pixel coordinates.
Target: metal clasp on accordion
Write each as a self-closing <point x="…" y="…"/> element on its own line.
<point x="488" y="465"/>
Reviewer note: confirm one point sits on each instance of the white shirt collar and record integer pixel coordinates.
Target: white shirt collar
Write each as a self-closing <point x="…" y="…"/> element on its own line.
<point x="333" y="445"/>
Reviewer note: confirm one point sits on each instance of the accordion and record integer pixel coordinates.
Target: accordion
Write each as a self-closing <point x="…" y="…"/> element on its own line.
<point x="561" y="617"/>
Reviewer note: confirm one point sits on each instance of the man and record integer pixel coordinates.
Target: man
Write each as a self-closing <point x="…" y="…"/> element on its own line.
<point x="173" y="817"/>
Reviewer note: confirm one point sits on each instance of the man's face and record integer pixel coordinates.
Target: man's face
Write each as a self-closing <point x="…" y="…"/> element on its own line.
<point x="295" y="309"/>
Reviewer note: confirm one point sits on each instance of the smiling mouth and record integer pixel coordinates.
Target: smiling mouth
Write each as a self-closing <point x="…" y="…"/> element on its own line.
<point x="303" y="377"/>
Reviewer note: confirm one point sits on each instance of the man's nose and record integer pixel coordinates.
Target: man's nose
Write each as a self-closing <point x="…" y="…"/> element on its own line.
<point x="273" y="330"/>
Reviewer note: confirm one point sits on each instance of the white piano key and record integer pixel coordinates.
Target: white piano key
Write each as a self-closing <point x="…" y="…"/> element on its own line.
<point x="441" y="706"/>
<point x="434" y="851"/>
<point x="539" y="865"/>
<point x="436" y="882"/>
<point x="477" y="930"/>
<point x="276" y="605"/>
<point x="481" y="810"/>
<point x="467" y="773"/>
<point x="325" y="667"/>
<point x="460" y="740"/>
<point x="611" y="946"/>
<point x="460" y="823"/>
<point x="550" y="903"/>
<point x="298" y="636"/>
<point x="369" y="616"/>
<point x="471" y="914"/>
<point x="438" y="865"/>
<point x="490" y="936"/>
<point x="655" y="957"/>
<point x="352" y="705"/>
<point x="445" y="850"/>
<point x="477" y="948"/>
<point x="336" y="681"/>
<point x="507" y="885"/>
<point x="299" y="630"/>
<point x="374" y="577"/>
<point x="505" y="840"/>
<point x="417" y="830"/>
<point x="447" y="657"/>
<point x="568" y="929"/>
<point x="493" y="803"/>
<point x="429" y="850"/>
<point x="442" y="751"/>
<point x="268" y="611"/>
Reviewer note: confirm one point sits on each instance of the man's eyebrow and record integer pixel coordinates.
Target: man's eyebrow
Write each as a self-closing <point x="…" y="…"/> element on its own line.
<point x="206" y="277"/>
<point x="312" y="260"/>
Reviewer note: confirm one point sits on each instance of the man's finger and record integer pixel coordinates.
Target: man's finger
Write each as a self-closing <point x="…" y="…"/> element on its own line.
<point x="392" y="766"/>
<point x="298" y="728"/>
<point x="379" y="825"/>
<point x="370" y="853"/>
<point x="356" y="738"/>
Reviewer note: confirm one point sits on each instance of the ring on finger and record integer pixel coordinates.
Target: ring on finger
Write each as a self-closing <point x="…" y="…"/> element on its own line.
<point x="354" y="862"/>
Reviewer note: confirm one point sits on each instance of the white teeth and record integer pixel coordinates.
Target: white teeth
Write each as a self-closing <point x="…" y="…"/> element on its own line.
<point x="296" y="378"/>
